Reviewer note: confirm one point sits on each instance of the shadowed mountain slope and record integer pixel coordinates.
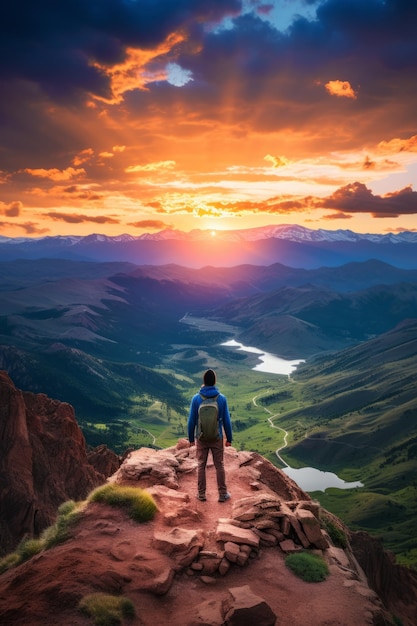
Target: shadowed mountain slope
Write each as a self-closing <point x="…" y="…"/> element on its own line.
<point x="320" y="319"/>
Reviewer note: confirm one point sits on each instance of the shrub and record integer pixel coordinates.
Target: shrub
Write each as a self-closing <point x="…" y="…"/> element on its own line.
<point x="307" y="566"/>
<point x="68" y="513"/>
<point x="9" y="561"/>
<point x="27" y="548"/>
<point x="140" y="505"/>
<point x="336" y="534"/>
<point x="106" y="609"/>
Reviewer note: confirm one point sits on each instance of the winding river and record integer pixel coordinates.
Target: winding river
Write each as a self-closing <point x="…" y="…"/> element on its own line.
<point x="308" y="478"/>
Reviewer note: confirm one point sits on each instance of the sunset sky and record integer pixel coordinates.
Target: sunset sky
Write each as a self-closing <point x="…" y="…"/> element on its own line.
<point x="132" y="116"/>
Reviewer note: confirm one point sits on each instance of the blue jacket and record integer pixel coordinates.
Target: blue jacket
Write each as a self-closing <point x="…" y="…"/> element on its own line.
<point x="224" y="415"/>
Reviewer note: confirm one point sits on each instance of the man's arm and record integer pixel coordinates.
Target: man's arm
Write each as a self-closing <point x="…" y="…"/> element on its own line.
<point x="192" y="422"/>
<point x="227" y="422"/>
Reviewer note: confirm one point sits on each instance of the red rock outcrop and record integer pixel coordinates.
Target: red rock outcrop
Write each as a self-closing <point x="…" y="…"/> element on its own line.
<point x="213" y="563"/>
<point x="103" y="460"/>
<point x="43" y="462"/>
<point x="395" y="585"/>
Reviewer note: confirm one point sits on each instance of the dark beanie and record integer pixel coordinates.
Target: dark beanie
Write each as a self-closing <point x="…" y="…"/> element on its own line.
<point x="209" y="378"/>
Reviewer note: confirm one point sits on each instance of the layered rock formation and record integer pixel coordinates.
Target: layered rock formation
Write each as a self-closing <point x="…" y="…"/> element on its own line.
<point x="197" y="563"/>
<point x="397" y="585"/>
<point x="43" y="462"/>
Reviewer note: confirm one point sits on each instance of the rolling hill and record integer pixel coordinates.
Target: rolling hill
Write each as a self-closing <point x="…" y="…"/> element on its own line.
<point x="358" y="417"/>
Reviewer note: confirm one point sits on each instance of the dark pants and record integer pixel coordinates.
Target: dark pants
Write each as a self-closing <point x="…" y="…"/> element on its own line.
<point x="217" y="450"/>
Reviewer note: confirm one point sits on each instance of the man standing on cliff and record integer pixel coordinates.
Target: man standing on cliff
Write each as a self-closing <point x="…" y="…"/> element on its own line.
<point x="210" y="394"/>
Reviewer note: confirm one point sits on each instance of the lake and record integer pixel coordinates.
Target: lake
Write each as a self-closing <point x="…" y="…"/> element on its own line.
<point x="269" y="363"/>
<point x="308" y="478"/>
<point x="312" y="479"/>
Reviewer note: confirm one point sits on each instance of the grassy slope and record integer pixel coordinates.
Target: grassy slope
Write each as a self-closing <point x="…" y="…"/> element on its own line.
<point x="360" y="421"/>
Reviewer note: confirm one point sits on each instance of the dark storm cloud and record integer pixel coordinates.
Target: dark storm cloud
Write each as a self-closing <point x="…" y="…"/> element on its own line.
<point x="357" y="198"/>
<point x="347" y="200"/>
<point x="255" y="78"/>
<point x="48" y="50"/>
<point x="248" y="77"/>
<point x="52" y="43"/>
<point x="371" y="44"/>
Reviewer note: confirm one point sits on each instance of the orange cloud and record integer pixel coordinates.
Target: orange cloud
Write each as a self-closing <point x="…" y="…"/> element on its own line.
<point x="55" y="174"/>
<point x="76" y="218"/>
<point x="83" y="157"/>
<point x="133" y="72"/>
<point x="151" y="167"/>
<point x="341" y="88"/>
<point x="152" y="224"/>
<point x="277" y="161"/>
<point x="30" y="228"/>
<point x="398" y="145"/>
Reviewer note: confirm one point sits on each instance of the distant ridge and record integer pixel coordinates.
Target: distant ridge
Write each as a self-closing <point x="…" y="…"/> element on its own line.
<point x="292" y="232"/>
<point x="292" y="245"/>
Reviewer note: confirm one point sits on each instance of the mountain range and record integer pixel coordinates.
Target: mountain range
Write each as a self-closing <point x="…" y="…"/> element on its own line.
<point x="292" y="245"/>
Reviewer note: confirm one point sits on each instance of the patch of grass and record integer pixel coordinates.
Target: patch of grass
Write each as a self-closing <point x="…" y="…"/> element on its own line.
<point x="9" y="561"/>
<point x="308" y="566"/>
<point x="140" y="505"/>
<point x="105" y="609"/>
<point x="68" y="513"/>
<point x="28" y="548"/>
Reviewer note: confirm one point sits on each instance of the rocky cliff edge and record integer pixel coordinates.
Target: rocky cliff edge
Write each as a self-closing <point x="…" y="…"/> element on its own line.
<point x="196" y="563"/>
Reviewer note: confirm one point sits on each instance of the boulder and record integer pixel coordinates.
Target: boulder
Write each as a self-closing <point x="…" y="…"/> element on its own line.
<point x="311" y="528"/>
<point x="181" y="544"/>
<point x="227" y="532"/>
<point x="104" y="460"/>
<point x="247" y="609"/>
<point x="150" y="467"/>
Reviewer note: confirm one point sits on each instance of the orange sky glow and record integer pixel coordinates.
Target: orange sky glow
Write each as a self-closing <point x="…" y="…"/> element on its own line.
<point x="221" y="115"/>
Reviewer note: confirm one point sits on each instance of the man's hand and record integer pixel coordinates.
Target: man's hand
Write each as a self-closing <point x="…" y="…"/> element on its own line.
<point x="228" y="444"/>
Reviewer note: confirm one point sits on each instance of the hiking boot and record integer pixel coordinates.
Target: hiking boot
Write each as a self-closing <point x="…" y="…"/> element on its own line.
<point x="224" y="496"/>
<point x="202" y="497"/>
